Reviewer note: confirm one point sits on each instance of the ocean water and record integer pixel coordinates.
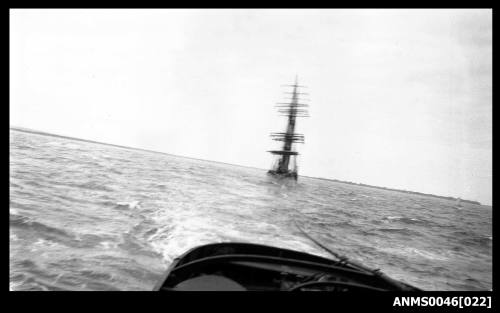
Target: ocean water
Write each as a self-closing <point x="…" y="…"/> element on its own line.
<point x="86" y="216"/>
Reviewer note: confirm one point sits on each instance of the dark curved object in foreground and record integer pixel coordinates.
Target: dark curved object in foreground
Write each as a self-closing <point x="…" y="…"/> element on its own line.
<point x="252" y="267"/>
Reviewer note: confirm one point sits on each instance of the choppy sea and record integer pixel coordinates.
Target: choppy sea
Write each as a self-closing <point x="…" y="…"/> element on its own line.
<point x="86" y="216"/>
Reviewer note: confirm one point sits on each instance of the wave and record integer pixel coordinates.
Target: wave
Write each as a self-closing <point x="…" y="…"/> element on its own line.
<point x="403" y="231"/>
<point x="178" y="211"/>
<point x="94" y="186"/>
<point x="72" y="146"/>
<point x="415" y="253"/>
<point x="115" y="171"/>
<point x="22" y="221"/>
<point x="470" y="237"/>
<point x="15" y="285"/>
<point x="344" y="224"/>
<point x="70" y="199"/>
<point x="130" y="205"/>
<point x="460" y="233"/>
<point x="405" y="220"/>
<point x="484" y="241"/>
<point x="34" y="182"/>
<point x="393" y="218"/>
<point x="51" y="236"/>
<point x="24" y="147"/>
<point x="14" y="185"/>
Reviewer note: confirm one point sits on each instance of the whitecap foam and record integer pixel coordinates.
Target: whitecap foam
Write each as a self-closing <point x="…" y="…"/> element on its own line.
<point x="43" y="245"/>
<point x="366" y="196"/>
<point x="131" y="205"/>
<point x="108" y="244"/>
<point x="429" y="255"/>
<point x="182" y="231"/>
<point x="14" y="285"/>
<point x="394" y="217"/>
<point x="414" y="252"/>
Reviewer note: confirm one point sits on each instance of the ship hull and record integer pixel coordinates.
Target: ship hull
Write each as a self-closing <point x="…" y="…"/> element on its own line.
<point x="283" y="175"/>
<point x="236" y="266"/>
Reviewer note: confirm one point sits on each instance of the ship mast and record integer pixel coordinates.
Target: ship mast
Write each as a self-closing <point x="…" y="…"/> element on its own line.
<point x="286" y="165"/>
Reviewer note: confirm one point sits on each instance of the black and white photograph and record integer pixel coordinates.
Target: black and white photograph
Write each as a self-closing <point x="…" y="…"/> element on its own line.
<point x="250" y="149"/>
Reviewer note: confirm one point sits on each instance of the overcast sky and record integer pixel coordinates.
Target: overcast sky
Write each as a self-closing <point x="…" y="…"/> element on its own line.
<point x="398" y="98"/>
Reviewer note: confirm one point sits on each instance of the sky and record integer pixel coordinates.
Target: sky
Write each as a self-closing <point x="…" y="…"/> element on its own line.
<point x="398" y="98"/>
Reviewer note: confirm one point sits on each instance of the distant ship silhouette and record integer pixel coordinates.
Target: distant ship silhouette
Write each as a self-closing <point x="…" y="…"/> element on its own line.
<point x="285" y="163"/>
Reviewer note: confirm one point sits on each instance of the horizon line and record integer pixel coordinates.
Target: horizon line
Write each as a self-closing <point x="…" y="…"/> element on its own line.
<point x="40" y="132"/>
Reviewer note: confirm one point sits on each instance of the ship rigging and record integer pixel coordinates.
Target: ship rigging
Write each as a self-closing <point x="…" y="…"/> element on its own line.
<point x="285" y="163"/>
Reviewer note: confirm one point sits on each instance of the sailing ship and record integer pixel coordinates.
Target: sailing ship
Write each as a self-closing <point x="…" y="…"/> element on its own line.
<point x="243" y="266"/>
<point x="285" y="162"/>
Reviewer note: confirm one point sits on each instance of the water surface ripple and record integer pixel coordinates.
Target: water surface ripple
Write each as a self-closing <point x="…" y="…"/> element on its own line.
<point x="85" y="216"/>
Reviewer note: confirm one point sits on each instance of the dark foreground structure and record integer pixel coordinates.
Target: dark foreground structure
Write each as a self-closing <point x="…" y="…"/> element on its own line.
<point x="285" y="163"/>
<point x="251" y="267"/>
